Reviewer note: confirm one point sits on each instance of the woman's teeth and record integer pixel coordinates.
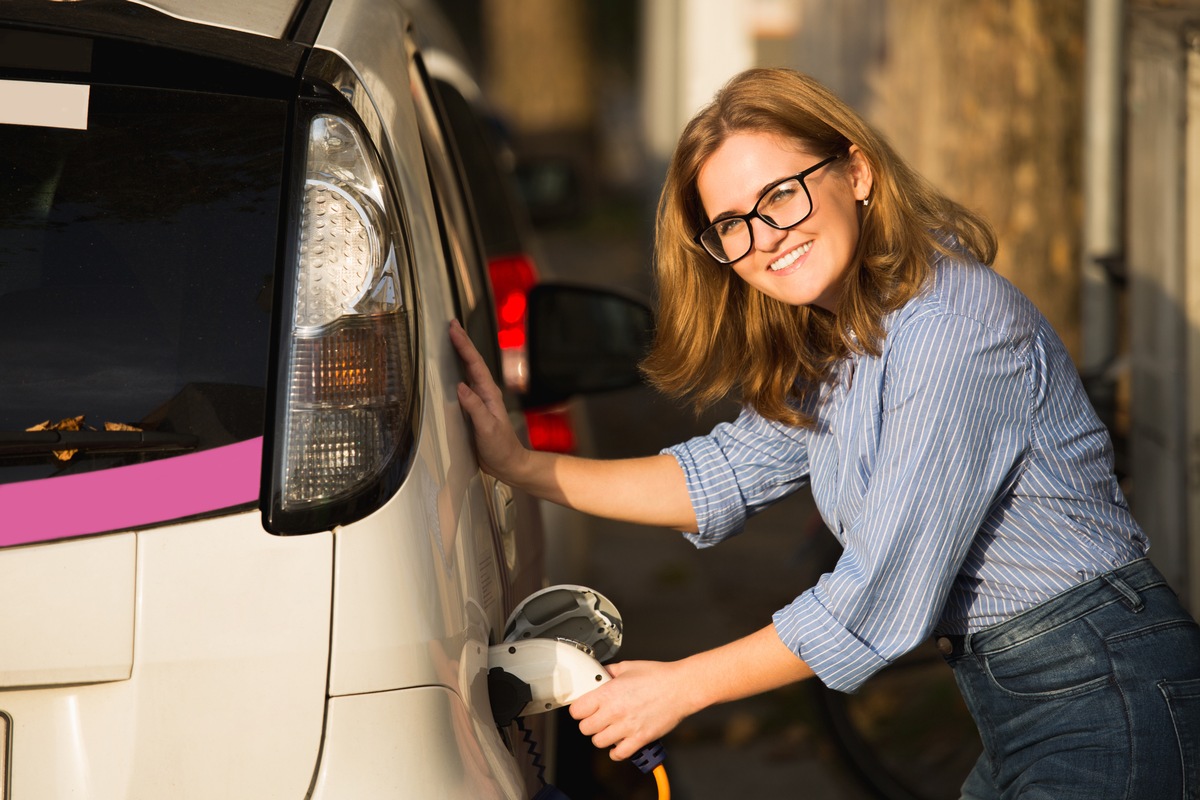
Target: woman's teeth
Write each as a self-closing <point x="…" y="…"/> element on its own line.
<point x="790" y="258"/>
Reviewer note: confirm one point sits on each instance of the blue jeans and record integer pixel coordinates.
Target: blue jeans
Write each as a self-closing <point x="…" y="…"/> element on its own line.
<point x="1093" y="694"/>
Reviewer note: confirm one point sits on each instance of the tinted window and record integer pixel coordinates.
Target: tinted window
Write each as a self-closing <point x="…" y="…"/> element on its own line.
<point x="478" y="153"/>
<point x="136" y="263"/>
<point x="459" y="238"/>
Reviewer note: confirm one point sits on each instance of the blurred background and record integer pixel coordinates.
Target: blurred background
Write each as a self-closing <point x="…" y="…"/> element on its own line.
<point x="1073" y="125"/>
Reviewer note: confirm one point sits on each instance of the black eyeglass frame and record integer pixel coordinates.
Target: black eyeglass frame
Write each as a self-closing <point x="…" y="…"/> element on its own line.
<point x="748" y="218"/>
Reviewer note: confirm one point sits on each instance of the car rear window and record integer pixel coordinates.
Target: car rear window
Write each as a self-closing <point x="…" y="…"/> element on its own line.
<point x="136" y="275"/>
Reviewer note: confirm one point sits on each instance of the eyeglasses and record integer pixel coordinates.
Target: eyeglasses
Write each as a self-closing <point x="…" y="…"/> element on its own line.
<point x="782" y="206"/>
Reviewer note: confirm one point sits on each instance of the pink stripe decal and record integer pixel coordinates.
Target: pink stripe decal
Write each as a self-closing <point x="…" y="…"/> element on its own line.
<point x="126" y="497"/>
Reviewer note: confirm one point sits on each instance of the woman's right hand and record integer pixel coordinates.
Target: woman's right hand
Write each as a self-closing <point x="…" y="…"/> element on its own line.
<point x="500" y="452"/>
<point x="648" y="491"/>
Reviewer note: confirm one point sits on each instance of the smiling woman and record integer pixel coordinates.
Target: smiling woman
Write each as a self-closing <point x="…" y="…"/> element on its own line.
<point x="946" y="437"/>
<point x="762" y="335"/>
<point x="800" y="258"/>
<point x="782" y="205"/>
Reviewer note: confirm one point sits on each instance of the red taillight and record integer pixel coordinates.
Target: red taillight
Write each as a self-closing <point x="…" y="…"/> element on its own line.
<point x="550" y="429"/>
<point x="512" y="278"/>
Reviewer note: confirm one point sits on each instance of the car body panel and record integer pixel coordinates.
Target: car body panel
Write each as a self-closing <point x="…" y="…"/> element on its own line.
<point x="71" y="607"/>
<point x="434" y="534"/>
<point x="227" y="690"/>
<point x="457" y="757"/>
<point x="244" y="34"/>
<point x="378" y="643"/>
<point x="270" y="18"/>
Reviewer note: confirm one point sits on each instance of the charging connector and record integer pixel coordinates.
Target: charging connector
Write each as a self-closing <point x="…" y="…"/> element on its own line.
<point x="538" y="675"/>
<point x="538" y="669"/>
<point x="557" y="672"/>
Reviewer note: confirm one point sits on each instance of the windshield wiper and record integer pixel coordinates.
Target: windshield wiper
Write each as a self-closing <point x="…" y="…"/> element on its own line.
<point x="32" y="443"/>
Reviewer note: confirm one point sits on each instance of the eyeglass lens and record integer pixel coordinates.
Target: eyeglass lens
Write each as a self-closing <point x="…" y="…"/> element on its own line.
<point x="784" y="205"/>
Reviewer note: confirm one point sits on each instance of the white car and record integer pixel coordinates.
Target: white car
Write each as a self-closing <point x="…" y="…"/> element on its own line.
<point x="245" y="547"/>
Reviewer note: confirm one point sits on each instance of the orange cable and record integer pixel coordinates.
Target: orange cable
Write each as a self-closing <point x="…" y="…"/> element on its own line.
<point x="660" y="777"/>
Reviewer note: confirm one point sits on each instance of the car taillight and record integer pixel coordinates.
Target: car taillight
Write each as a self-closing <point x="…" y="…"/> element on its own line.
<point x="550" y="429"/>
<point x="512" y="278"/>
<point x="345" y="391"/>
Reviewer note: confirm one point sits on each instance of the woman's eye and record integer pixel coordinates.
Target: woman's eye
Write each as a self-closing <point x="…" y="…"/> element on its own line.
<point x="729" y="226"/>
<point x="780" y="194"/>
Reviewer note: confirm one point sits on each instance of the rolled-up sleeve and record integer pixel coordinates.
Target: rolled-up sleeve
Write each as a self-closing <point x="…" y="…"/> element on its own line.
<point x="739" y="469"/>
<point x="953" y="423"/>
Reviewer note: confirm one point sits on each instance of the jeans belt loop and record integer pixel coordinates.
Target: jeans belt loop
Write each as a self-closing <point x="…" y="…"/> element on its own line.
<point x="1133" y="600"/>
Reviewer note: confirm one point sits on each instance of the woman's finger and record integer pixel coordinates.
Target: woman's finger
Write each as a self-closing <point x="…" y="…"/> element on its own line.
<point x="585" y="706"/>
<point x="479" y="377"/>
<point x="590" y="726"/>
<point x="473" y="404"/>
<point x="606" y="738"/>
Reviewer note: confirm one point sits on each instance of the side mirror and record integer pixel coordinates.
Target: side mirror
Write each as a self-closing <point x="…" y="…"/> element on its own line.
<point x="583" y="340"/>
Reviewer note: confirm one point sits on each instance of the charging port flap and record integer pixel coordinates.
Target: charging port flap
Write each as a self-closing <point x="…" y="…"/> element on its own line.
<point x="566" y="611"/>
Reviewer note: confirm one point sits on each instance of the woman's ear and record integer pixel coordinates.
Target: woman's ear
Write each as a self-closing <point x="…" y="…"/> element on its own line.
<point x="859" y="171"/>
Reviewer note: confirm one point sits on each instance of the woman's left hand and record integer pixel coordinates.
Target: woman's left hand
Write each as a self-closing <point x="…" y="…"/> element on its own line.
<point x="643" y="702"/>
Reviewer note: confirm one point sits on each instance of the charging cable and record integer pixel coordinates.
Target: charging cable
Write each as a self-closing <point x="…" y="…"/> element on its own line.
<point x="555" y="642"/>
<point x="538" y="675"/>
<point x="660" y="778"/>
<point x="650" y="760"/>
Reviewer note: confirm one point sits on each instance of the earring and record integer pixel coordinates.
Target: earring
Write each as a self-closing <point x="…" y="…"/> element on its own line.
<point x="865" y="201"/>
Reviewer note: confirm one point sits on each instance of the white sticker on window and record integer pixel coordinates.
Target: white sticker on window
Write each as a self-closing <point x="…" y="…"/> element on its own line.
<point x="49" y="105"/>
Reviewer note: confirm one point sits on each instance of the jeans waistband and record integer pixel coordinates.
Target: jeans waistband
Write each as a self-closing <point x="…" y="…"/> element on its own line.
<point x="1120" y="585"/>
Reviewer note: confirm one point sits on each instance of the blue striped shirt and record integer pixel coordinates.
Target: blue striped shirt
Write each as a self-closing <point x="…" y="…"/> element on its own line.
<point x="963" y="471"/>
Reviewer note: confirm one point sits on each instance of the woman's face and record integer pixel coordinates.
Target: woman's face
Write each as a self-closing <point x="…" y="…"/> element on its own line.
<point x="804" y="264"/>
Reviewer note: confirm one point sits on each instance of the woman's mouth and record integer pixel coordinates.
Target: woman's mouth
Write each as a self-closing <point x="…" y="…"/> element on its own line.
<point x="791" y="258"/>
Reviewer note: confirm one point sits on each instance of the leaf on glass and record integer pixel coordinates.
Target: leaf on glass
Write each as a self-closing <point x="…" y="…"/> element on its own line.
<point x="68" y="424"/>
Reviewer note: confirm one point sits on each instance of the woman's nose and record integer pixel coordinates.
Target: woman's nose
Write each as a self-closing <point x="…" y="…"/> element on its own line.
<point x="766" y="237"/>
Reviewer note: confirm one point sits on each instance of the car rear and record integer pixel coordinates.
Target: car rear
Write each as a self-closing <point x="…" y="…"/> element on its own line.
<point x="245" y="551"/>
<point x="139" y="237"/>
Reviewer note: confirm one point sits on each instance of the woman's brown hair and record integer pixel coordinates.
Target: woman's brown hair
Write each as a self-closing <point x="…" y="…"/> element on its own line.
<point x="716" y="335"/>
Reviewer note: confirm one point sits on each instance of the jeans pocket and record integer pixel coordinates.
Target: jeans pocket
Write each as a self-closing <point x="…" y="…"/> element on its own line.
<point x="1183" y="700"/>
<point x="1067" y="660"/>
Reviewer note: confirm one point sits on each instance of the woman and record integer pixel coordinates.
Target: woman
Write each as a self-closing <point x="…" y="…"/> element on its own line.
<point x="947" y="440"/>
